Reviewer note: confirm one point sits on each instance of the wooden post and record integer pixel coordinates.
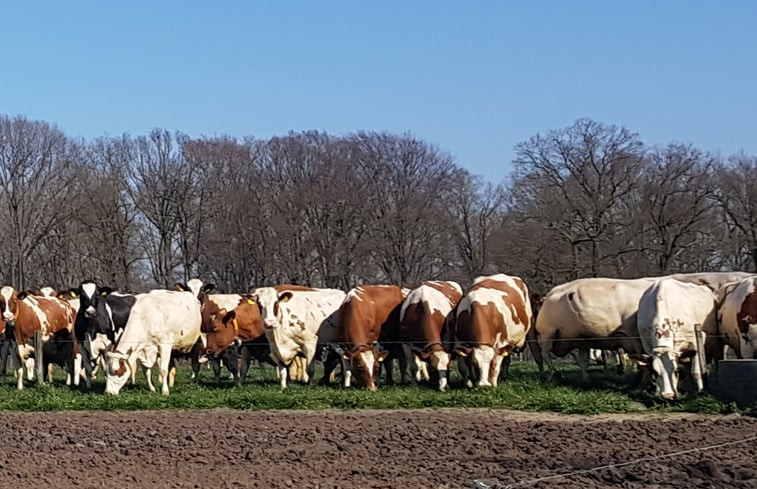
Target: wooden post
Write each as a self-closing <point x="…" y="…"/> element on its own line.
<point x="38" y="357"/>
<point x="700" y="337"/>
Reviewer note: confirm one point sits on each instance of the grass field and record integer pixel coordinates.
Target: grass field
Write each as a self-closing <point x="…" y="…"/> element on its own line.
<point x="524" y="390"/>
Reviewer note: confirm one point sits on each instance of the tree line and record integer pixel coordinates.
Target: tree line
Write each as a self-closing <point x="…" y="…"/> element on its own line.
<point x="312" y="208"/>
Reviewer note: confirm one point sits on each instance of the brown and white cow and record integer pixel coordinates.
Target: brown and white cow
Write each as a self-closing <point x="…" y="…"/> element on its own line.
<point x="27" y="314"/>
<point x="422" y="319"/>
<point x="365" y="311"/>
<point x="237" y="323"/>
<point x="296" y="319"/>
<point x="491" y="321"/>
<point x="737" y="317"/>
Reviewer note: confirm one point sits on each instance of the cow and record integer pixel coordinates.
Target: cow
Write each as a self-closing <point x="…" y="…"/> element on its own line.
<point x="419" y="332"/>
<point x="25" y="314"/>
<point x="670" y="314"/>
<point x="365" y="311"/>
<point x="737" y="317"/>
<point x="241" y="324"/>
<point x="491" y="321"/>
<point x="159" y="323"/>
<point x="601" y="313"/>
<point x="296" y="319"/>
<point x="100" y="320"/>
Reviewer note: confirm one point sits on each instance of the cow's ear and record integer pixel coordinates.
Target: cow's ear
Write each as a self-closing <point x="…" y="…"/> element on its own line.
<point x="227" y="316"/>
<point x="249" y="298"/>
<point x="178" y="286"/>
<point x="382" y="355"/>
<point x="23" y="295"/>
<point x="208" y="288"/>
<point x="105" y="291"/>
<point x="423" y="355"/>
<point x="285" y="296"/>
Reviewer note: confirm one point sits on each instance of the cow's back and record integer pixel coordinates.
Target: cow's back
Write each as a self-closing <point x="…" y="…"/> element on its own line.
<point x="165" y="317"/>
<point x="424" y="312"/>
<point x="365" y="310"/>
<point x="496" y="309"/>
<point x="669" y="310"/>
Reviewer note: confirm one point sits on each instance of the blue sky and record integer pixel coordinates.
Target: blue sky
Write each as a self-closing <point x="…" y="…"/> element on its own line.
<point x="475" y="78"/>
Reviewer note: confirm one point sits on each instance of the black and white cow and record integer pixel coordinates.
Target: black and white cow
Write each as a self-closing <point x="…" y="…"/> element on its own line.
<point x="100" y="321"/>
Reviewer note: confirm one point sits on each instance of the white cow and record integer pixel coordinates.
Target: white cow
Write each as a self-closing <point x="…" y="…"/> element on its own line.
<point x="669" y="313"/>
<point x="738" y="317"/>
<point x="160" y="322"/>
<point x="601" y="313"/>
<point x="296" y="319"/>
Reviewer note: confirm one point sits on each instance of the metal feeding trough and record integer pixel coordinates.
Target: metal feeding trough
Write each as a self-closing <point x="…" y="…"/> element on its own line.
<point x="737" y="381"/>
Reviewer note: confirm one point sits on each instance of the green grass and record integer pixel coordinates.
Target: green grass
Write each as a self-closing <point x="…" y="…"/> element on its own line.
<point x="524" y="390"/>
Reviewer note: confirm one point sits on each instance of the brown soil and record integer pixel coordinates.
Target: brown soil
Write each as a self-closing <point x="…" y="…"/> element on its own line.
<point x="405" y="449"/>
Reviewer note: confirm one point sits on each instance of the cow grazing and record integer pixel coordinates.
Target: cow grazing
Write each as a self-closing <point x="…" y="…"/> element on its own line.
<point x="241" y="324"/>
<point x="296" y="319"/>
<point x="588" y="313"/>
<point x="669" y="314"/>
<point x="491" y="321"/>
<point x="737" y="314"/>
<point x="100" y="320"/>
<point x="159" y="323"/>
<point x="26" y="314"/>
<point x="601" y="313"/>
<point x="366" y="310"/>
<point x="422" y="319"/>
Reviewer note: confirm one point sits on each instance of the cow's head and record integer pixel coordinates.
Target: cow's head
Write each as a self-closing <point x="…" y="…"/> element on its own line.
<point x="91" y="299"/>
<point x="222" y="332"/>
<point x="273" y="306"/>
<point x="365" y="362"/>
<point x="117" y="371"/>
<point x="9" y="304"/>
<point x="439" y="361"/>
<point x="665" y="367"/>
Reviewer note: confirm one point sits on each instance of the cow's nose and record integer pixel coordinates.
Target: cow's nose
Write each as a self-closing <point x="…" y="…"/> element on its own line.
<point x="269" y="324"/>
<point x="90" y="312"/>
<point x="8" y="316"/>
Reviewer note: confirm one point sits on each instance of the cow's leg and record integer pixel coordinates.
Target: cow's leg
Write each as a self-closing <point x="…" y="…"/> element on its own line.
<point x="195" y="359"/>
<point x="23" y="351"/>
<point x="215" y="365"/>
<point x="329" y="366"/>
<point x="505" y="367"/>
<point x="245" y="363"/>
<point x="165" y="367"/>
<point x="282" y="370"/>
<point x="148" y="377"/>
<point x="30" y="362"/>
<point x="482" y="358"/>
<point x="85" y="360"/>
<point x="494" y="369"/>
<point x="403" y="353"/>
<point x="49" y="368"/>
<point x="696" y="373"/>
<point x="347" y="372"/>
<point x="4" y="350"/>
<point x="532" y="338"/>
<point x="582" y="359"/>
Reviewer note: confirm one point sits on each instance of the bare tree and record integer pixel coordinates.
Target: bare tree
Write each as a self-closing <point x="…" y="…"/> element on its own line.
<point x="574" y="180"/>
<point x="738" y="199"/>
<point x="677" y="201"/>
<point x="35" y="164"/>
